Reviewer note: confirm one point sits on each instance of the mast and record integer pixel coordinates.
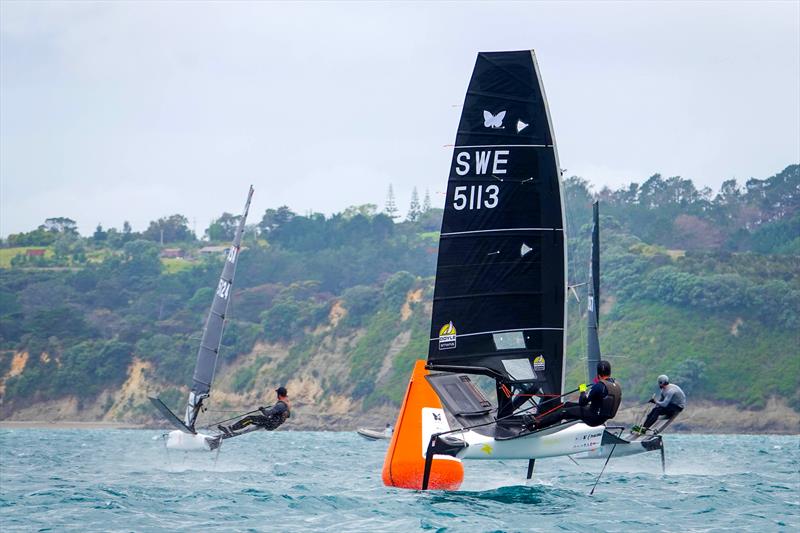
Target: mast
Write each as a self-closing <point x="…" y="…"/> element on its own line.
<point x="215" y="323"/>
<point x="593" y="300"/>
<point x="500" y="296"/>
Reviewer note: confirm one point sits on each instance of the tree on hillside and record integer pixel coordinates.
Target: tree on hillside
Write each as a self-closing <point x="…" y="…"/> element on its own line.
<point x="37" y="237"/>
<point x="275" y="218"/>
<point x="696" y="233"/>
<point x="391" y="205"/>
<point x="46" y="233"/>
<point x="174" y="228"/>
<point x="776" y="197"/>
<point x="426" y="203"/>
<point x="223" y="228"/>
<point x="431" y="220"/>
<point x="367" y="210"/>
<point x="414" y="210"/>
<point x="99" y="235"/>
<point x="141" y="258"/>
<point x="397" y="286"/>
<point x="61" y="225"/>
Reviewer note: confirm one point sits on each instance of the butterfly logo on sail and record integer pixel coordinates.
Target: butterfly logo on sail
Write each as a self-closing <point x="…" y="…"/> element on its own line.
<point x="447" y="337"/>
<point x="493" y="121"/>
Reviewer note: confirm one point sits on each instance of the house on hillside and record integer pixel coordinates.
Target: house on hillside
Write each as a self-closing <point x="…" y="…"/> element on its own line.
<point x="213" y="250"/>
<point x="172" y="253"/>
<point x="35" y="252"/>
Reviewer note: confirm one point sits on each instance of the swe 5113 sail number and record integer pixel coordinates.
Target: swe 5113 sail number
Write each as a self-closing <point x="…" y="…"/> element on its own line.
<point x="479" y="196"/>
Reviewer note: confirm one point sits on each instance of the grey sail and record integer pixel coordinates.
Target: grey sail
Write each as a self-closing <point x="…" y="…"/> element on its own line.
<point x="593" y="301"/>
<point x="215" y="323"/>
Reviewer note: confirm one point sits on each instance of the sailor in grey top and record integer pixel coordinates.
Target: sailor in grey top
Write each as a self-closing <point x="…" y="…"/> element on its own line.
<point x="671" y="394"/>
<point x="672" y="401"/>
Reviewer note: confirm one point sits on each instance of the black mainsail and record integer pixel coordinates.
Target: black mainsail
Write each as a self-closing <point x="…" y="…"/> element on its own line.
<point x="499" y="306"/>
<point x="215" y="323"/>
<point x="593" y="299"/>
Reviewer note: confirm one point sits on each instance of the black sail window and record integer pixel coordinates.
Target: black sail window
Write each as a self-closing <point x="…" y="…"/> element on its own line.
<point x="509" y="340"/>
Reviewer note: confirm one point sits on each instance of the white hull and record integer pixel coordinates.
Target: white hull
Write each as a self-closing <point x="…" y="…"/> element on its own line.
<point x="373" y="434"/>
<point x="554" y="442"/>
<point x="620" y="450"/>
<point x="179" y="440"/>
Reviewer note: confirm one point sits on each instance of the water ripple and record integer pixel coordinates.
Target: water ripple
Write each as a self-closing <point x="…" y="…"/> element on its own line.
<point x="112" y="480"/>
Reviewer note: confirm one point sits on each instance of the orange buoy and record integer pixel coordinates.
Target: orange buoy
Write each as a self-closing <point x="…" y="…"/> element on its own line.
<point x="404" y="464"/>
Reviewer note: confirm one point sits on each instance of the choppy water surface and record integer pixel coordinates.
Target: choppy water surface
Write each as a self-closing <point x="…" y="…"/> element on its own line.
<point x="114" y="480"/>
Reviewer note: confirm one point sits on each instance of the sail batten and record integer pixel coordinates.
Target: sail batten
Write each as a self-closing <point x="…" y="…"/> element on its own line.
<point x="499" y="300"/>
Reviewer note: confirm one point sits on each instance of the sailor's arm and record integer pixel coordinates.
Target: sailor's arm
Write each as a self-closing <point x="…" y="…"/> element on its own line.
<point x="666" y="397"/>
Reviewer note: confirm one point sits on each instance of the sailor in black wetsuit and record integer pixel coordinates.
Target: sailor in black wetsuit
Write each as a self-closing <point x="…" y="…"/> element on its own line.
<point x="269" y="419"/>
<point x="594" y="408"/>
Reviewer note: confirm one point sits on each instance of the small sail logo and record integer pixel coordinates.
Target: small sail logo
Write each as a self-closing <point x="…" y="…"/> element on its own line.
<point x="447" y="337"/>
<point x="493" y="121"/>
<point x="524" y="249"/>
<point x="538" y="363"/>
<point x="521" y="126"/>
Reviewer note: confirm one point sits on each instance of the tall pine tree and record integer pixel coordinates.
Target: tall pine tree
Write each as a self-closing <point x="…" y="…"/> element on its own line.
<point x="426" y="203"/>
<point x="414" y="209"/>
<point x="391" y="205"/>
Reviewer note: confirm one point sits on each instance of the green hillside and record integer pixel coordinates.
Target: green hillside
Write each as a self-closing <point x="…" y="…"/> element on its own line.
<point x="700" y="286"/>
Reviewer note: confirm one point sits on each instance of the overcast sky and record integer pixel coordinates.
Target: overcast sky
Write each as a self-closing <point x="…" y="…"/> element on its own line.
<point x="116" y="111"/>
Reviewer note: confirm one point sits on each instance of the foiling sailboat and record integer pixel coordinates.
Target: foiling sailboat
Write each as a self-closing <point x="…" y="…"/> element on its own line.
<point x="620" y="441"/>
<point x="500" y="300"/>
<point x="186" y="437"/>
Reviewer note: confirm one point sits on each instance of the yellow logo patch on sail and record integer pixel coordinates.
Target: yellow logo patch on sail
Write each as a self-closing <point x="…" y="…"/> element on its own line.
<point x="447" y="336"/>
<point x="447" y="329"/>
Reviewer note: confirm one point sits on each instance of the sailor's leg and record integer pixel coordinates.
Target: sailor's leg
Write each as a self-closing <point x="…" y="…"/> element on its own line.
<point x="653" y="416"/>
<point x="569" y="411"/>
<point x="248" y="421"/>
<point x="241" y="424"/>
<point x="550" y="418"/>
<point x="573" y="411"/>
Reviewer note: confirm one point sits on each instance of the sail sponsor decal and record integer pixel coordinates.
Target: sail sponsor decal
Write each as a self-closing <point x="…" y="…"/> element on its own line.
<point x="521" y="125"/>
<point x="493" y="121"/>
<point x="447" y="336"/>
<point x="538" y="363"/>
<point x="588" y="441"/>
<point x="524" y="249"/>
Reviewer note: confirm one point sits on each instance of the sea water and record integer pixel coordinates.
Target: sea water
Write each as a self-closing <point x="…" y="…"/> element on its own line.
<point x="125" y="480"/>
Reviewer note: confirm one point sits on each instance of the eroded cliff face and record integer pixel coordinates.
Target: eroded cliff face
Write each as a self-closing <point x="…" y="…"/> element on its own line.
<point x="318" y="377"/>
<point x="318" y="370"/>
